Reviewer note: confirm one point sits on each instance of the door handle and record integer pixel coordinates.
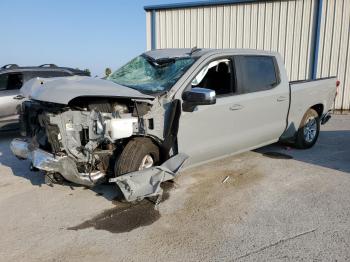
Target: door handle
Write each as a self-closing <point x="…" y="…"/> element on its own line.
<point x="19" y="97"/>
<point x="236" y="107"/>
<point x="281" y="98"/>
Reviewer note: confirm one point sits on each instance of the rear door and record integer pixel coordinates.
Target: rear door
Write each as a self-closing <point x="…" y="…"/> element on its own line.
<point x="10" y="98"/>
<point x="260" y="106"/>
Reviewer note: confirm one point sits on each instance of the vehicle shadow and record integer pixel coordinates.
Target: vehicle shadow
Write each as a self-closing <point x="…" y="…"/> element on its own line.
<point x="109" y="191"/>
<point x="332" y="150"/>
<point x="8" y="128"/>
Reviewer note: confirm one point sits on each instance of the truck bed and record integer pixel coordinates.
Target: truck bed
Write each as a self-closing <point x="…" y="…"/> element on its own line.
<point x="309" y="93"/>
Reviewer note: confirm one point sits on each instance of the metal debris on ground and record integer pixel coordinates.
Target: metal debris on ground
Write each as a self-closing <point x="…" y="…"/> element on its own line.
<point x="225" y="180"/>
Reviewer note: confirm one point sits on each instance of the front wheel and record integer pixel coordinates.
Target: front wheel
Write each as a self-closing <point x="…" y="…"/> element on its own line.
<point x="139" y="153"/>
<point x="309" y="130"/>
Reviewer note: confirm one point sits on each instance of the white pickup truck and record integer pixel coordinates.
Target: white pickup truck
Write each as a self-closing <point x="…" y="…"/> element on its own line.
<point x="139" y="126"/>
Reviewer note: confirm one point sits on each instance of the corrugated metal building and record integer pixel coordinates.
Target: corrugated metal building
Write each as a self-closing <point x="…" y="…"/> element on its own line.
<point x="313" y="36"/>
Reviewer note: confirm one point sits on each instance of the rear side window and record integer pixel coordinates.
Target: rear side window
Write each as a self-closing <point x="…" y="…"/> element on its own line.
<point x="3" y="81"/>
<point x="11" y="81"/>
<point x="256" y="73"/>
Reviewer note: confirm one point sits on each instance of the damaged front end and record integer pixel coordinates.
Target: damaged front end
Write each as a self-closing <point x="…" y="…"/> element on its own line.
<point x="89" y="130"/>
<point x="82" y="141"/>
<point x="77" y="141"/>
<point x="52" y="164"/>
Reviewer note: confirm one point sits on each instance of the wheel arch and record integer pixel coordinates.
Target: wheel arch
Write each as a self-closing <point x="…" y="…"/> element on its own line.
<point x="300" y="141"/>
<point x="319" y="108"/>
<point x="295" y="122"/>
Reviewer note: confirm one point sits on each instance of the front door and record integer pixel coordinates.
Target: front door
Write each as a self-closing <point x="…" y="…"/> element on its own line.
<point x="206" y="132"/>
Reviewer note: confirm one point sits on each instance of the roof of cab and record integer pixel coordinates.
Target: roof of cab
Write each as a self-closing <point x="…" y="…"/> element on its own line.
<point x="197" y="52"/>
<point x="175" y="53"/>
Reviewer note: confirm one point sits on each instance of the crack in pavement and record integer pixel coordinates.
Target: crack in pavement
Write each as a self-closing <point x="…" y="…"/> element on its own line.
<point x="274" y="244"/>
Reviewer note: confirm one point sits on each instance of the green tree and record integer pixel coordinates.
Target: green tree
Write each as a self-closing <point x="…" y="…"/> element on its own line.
<point x="108" y="71"/>
<point x="88" y="71"/>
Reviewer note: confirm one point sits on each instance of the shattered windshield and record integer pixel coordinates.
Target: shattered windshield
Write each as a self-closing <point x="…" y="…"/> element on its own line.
<point x="151" y="76"/>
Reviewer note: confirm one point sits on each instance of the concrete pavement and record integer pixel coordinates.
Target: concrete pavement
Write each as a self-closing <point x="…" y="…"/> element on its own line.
<point x="277" y="204"/>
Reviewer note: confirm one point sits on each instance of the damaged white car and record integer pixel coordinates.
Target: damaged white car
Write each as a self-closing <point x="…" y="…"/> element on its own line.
<point x="139" y="126"/>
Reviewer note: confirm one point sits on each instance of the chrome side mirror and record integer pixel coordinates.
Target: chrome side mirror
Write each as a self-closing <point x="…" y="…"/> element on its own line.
<point x="198" y="96"/>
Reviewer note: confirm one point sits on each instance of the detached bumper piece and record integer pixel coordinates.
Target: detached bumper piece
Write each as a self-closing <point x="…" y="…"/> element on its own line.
<point x="146" y="183"/>
<point x="53" y="164"/>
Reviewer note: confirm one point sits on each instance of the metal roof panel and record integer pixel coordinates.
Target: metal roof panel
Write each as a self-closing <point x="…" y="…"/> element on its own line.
<point x="196" y="4"/>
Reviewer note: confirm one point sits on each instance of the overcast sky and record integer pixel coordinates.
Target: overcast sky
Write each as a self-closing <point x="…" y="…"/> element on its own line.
<point x="76" y="33"/>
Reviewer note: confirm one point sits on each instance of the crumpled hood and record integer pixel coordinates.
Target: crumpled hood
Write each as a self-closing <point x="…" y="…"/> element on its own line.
<point x="61" y="90"/>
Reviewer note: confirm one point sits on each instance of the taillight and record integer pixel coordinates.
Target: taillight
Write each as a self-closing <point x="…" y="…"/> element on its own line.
<point x="337" y="83"/>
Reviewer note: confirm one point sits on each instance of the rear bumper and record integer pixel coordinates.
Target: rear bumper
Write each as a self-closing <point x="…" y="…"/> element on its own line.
<point x="325" y="118"/>
<point x="45" y="161"/>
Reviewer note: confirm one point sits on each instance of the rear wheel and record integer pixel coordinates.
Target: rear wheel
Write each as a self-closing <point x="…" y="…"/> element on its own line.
<point x="309" y="130"/>
<point x="139" y="153"/>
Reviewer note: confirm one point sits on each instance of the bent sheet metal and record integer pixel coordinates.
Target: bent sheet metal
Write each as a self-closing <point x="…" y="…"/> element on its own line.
<point x="146" y="183"/>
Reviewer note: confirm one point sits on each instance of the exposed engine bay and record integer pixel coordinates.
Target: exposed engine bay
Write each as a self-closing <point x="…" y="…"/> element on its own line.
<point x="83" y="141"/>
<point x="88" y="131"/>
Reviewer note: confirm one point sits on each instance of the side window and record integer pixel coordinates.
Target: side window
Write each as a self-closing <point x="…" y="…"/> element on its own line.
<point x="14" y="81"/>
<point x="3" y="81"/>
<point x="217" y="75"/>
<point x="255" y="73"/>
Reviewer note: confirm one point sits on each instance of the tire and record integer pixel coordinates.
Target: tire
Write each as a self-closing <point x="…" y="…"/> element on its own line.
<point x="133" y="155"/>
<point x="309" y="130"/>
